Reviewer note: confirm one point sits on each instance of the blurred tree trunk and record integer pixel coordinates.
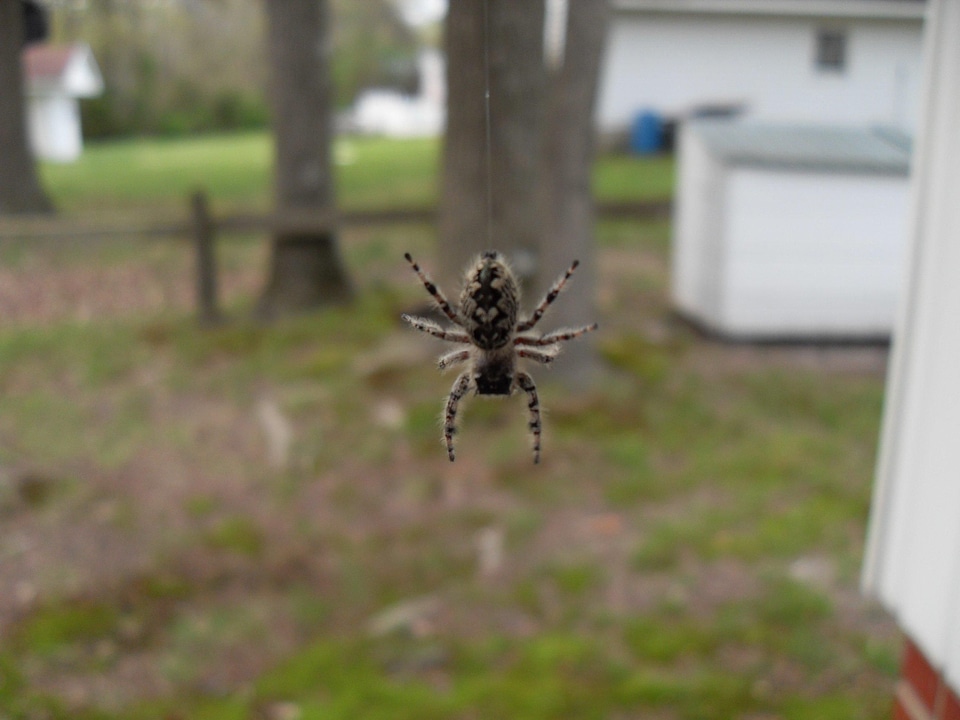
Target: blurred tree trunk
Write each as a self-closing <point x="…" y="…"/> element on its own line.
<point x="566" y="204"/>
<point x="20" y="189"/>
<point x="542" y="150"/>
<point x="305" y="268"/>
<point x="505" y="36"/>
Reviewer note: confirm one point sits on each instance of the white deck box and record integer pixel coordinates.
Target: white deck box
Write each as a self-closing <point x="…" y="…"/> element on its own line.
<point x="789" y="232"/>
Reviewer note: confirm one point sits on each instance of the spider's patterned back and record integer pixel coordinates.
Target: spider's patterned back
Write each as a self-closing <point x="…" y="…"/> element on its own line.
<point x="490" y="302"/>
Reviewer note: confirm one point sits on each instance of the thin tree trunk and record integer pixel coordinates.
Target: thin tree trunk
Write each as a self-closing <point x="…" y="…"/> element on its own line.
<point x="306" y="270"/>
<point x="494" y="45"/>
<point x="567" y="207"/>
<point x="463" y="204"/>
<point x="20" y="189"/>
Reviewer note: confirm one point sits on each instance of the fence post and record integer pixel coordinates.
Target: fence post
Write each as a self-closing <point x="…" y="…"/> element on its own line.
<point x="203" y="237"/>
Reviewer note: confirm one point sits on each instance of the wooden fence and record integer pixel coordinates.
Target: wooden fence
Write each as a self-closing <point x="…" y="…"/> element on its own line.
<point x="203" y="227"/>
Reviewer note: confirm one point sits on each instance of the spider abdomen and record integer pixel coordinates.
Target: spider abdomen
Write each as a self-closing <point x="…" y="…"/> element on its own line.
<point x="494" y="372"/>
<point x="490" y="301"/>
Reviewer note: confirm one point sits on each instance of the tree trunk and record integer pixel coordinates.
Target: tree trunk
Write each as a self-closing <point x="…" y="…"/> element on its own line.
<point x="566" y="205"/>
<point x="490" y="206"/>
<point x="306" y="270"/>
<point x="20" y="190"/>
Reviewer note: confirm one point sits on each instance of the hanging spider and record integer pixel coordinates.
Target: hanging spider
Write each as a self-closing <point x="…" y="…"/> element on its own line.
<point x="487" y="323"/>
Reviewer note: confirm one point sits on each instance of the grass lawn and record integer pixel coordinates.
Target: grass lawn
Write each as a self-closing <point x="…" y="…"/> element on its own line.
<point x="260" y="521"/>
<point x="236" y="171"/>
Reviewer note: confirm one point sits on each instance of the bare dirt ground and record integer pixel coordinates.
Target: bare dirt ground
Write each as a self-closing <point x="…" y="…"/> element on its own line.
<point x="220" y="562"/>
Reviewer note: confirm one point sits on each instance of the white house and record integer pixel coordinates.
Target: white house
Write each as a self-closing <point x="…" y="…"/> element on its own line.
<point x="789" y="231"/>
<point x="913" y="550"/>
<point x="56" y="78"/>
<point x="827" y="61"/>
<point x="380" y="111"/>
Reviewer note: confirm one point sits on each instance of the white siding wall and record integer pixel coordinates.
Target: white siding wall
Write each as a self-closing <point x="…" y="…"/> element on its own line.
<point x="812" y="254"/>
<point x="673" y="62"/>
<point x="913" y="557"/>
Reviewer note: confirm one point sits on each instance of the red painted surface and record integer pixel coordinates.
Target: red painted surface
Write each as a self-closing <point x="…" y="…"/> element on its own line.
<point x="951" y="706"/>
<point x="927" y="697"/>
<point x="917" y="671"/>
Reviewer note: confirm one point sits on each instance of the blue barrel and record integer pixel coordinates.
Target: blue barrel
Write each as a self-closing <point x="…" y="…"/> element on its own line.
<point x="646" y="135"/>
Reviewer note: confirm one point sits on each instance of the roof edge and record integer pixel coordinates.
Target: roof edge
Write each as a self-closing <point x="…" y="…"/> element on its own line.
<point x="872" y="9"/>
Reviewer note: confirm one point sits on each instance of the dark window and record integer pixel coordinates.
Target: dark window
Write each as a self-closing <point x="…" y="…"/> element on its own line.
<point x="831" y="50"/>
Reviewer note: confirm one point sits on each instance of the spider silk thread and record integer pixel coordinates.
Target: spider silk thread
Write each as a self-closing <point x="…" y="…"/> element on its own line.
<point x="489" y="140"/>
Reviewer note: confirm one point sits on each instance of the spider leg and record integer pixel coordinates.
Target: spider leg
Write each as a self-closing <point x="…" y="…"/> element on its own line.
<point x="431" y="287"/>
<point x="544" y="357"/>
<point x="556" y="336"/>
<point x="548" y="299"/>
<point x="460" y="388"/>
<point x="525" y="383"/>
<point x="453" y="358"/>
<point x="431" y="328"/>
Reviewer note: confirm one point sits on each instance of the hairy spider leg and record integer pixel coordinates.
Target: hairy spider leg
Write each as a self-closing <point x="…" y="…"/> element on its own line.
<point x="454" y="357"/>
<point x="525" y="383"/>
<point x="544" y="357"/>
<point x="557" y="336"/>
<point x="548" y="299"/>
<point x="434" y="290"/>
<point x="460" y="388"/>
<point x="431" y="328"/>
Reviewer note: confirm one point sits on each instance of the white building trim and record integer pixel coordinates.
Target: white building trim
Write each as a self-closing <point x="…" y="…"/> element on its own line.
<point x="912" y="561"/>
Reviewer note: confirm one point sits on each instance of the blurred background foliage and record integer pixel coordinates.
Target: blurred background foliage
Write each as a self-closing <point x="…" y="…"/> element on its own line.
<point x="200" y="65"/>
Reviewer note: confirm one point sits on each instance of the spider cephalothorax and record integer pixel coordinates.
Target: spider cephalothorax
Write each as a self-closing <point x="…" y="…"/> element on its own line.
<point x="488" y="326"/>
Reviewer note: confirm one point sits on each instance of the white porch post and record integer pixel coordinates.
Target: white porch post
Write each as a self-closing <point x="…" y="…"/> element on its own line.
<point x="913" y="554"/>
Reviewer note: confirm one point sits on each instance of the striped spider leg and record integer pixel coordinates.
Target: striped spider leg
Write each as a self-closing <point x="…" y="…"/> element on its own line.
<point x="491" y="338"/>
<point x="552" y="294"/>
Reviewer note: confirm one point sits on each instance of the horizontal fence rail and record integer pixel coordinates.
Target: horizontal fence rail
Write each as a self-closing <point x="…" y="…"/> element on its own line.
<point x="202" y="226"/>
<point x="66" y="228"/>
